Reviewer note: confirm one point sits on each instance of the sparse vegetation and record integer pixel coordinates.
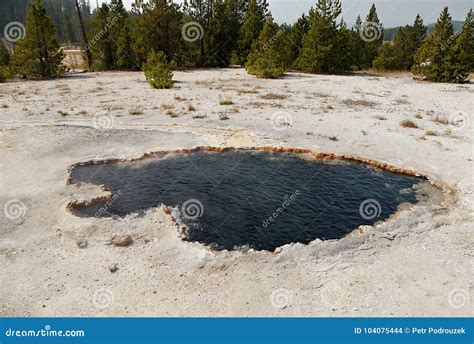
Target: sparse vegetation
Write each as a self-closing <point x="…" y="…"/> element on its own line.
<point x="274" y="96"/>
<point x="408" y="124"/>
<point x="359" y="103"/>
<point x="158" y="71"/>
<point x="63" y="113"/>
<point x="135" y="111"/>
<point x="226" y="101"/>
<point x="431" y="133"/>
<point x="441" y="119"/>
<point x="381" y="118"/>
<point x="223" y="117"/>
<point x="191" y="108"/>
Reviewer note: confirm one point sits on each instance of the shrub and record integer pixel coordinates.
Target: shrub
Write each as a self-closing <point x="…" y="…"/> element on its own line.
<point x="267" y="60"/>
<point x="408" y="124"/>
<point x="158" y="71"/>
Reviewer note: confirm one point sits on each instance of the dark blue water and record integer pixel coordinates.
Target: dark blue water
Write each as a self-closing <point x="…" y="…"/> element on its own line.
<point x="251" y="199"/>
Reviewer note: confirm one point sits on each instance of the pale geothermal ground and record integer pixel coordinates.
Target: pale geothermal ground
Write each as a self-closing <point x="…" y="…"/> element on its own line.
<point x="419" y="263"/>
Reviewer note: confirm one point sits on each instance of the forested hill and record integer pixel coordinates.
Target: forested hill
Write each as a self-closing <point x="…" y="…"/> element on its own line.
<point x="62" y="12"/>
<point x="389" y="33"/>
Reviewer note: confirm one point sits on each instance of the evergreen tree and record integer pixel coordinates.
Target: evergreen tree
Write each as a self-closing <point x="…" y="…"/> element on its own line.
<point x="125" y="54"/>
<point x="400" y="55"/>
<point x="4" y="55"/>
<point x="38" y="55"/>
<point x="438" y="59"/>
<point x="120" y="36"/>
<point x="463" y="49"/>
<point x="268" y="57"/>
<point x="372" y="35"/>
<point x="295" y="38"/>
<point x="157" y="27"/>
<point x="323" y="45"/>
<point x="158" y="71"/>
<point x="100" y="40"/>
<point x="254" y="20"/>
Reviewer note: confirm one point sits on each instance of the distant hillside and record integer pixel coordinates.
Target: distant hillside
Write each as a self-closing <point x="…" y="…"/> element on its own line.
<point x="389" y="34"/>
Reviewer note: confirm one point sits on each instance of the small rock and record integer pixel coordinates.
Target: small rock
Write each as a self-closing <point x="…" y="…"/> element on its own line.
<point x="122" y="240"/>
<point x="82" y="243"/>
<point x="113" y="268"/>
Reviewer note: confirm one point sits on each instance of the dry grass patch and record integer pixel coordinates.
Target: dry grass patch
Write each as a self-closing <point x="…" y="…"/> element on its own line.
<point x="274" y="96"/>
<point x="135" y="111"/>
<point x="167" y="106"/>
<point x="223" y="117"/>
<point x="359" y="103"/>
<point x="191" y="108"/>
<point x="431" y="133"/>
<point x="380" y="118"/>
<point x="408" y="124"/>
<point x="172" y="114"/>
<point x="180" y="99"/>
<point x="199" y="116"/>
<point x="321" y="95"/>
<point x="441" y="119"/>
<point x="247" y="91"/>
<point x="63" y="113"/>
<point x="226" y="101"/>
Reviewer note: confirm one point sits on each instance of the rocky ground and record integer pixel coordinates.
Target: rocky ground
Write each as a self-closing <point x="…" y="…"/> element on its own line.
<point x="419" y="263"/>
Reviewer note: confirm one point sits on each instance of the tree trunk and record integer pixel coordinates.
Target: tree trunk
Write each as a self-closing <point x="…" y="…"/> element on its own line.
<point x="84" y="36"/>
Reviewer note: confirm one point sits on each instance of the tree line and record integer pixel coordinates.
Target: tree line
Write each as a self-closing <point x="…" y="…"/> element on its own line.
<point x="219" y="33"/>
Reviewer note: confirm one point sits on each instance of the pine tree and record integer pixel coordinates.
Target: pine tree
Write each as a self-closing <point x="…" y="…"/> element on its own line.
<point x="120" y="36"/>
<point x="267" y="58"/>
<point x="158" y="71"/>
<point x="401" y="54"/>
<point x="100" y="40"/>
<point x="254" y="21"/>
<point x="125" y="54"/>
<point x="372" y="35"/>
<point x="324" y="49"/>
<point x="38" y="54"/>
<point x="297" y="32"/>
<point x="463" y="48"/>
<point x="5" y="57"/>
<point x="437" y="60"/>
<point x="157" y="27"/>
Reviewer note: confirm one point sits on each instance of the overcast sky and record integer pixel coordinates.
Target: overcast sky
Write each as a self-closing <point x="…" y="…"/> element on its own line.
<point x="391" y="12"/>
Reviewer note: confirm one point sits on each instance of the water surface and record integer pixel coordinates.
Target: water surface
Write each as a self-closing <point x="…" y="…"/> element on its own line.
<point x="248" y="198"/>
